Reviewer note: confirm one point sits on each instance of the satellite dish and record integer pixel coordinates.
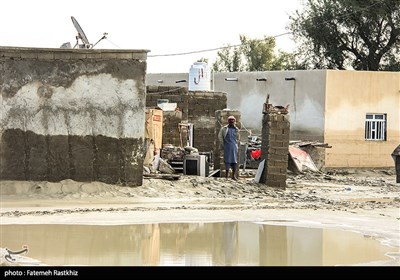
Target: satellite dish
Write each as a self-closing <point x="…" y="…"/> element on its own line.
<point x="81" y="36"/>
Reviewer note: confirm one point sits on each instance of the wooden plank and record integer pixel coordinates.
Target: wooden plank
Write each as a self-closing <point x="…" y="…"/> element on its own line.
<point x="163" y="176"/>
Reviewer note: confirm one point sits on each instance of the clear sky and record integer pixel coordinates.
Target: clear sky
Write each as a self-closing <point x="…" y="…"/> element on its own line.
<point x="160" y="26"/>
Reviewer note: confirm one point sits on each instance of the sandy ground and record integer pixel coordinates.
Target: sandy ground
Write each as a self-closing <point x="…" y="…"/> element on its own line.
<point x="364" y="201"/>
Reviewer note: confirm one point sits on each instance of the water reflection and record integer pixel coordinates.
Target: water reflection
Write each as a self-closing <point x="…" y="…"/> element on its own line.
<point x="192" y="244"/>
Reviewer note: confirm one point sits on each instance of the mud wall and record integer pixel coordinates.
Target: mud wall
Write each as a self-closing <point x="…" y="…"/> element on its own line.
<point x="197" y="107"/>
<point x="72" y="113"/>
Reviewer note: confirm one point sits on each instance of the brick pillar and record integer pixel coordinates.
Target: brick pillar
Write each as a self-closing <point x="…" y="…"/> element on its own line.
<point x="275" y="148"/>
<point x="221" y="119"/>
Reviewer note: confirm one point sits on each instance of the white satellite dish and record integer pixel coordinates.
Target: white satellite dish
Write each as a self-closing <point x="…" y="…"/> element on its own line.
<point x="81" y="35"/>
<point x="85" y="44"/>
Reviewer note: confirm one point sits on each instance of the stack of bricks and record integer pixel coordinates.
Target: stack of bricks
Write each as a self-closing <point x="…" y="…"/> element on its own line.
<point x="275" y="148"/>
<point x="221" y="119"/>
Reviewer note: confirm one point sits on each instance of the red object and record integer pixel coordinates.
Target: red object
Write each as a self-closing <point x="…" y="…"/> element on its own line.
<point x="256" y="154"/>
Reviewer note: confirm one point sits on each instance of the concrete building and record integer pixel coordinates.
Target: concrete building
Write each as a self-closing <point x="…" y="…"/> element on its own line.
<point x="355" y="112"/>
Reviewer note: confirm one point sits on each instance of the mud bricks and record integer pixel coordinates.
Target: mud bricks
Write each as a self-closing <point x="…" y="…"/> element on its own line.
<point x="196" y="107"/>
<point x="202" y="108"/>
<point x="275" y="148"/>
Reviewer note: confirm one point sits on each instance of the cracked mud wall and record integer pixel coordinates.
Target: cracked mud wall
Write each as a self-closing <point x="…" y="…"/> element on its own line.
<point x="72" y="114"/>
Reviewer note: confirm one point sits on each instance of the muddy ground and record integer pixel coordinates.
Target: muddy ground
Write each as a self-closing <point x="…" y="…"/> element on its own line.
<point x="365" y="201"/>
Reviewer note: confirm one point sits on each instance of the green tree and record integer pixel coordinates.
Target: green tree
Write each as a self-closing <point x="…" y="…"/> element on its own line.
<point x="229" y="59"/>
<point x="343" y="34"/>
<point x="253" y="55"/>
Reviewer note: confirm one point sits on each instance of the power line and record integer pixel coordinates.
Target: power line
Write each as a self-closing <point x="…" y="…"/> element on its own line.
<point x="276" y="36"/>
<point x="214" y="49"/>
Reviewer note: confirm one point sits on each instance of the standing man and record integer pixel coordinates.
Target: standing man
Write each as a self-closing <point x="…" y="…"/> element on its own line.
<point x="228" y="138"/>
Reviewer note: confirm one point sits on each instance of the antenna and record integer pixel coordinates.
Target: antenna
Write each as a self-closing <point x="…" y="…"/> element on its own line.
<point x="104" y="37"/>
<point x="81" y="36"/>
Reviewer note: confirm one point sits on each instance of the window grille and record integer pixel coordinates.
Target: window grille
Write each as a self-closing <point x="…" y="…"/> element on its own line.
<point x="375" y="127"/>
